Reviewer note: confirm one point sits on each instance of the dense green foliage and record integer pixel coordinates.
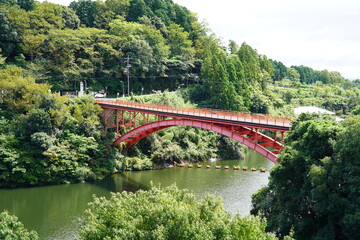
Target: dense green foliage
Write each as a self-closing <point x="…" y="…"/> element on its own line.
<point x="314" y="189"/>
<point x="304" y="86"/>
<point x="12" y="229"/>
<point x="167" y="47"/>
<point x="234" y="81"/>
<point x="282" y="99"/>
<point x="159" y="45"/>
<point x="166" y="214"/>
<point x="90" y="40"/>
<point x="48" y="139"/>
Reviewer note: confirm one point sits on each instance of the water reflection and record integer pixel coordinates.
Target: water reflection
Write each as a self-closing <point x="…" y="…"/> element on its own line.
<point x="119" y="183"/>
<point x="53" y="210"/>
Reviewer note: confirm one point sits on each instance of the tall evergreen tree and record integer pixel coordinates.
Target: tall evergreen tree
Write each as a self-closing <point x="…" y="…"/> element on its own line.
<point x="222" y="93"/>
<point x="250" y="62"/>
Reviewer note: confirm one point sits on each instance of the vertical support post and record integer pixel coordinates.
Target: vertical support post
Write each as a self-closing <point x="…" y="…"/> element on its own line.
<point x="282" y="137"/>
<point x="275" y="133"/>
<point x="117" y="121"/>
<point x="256" y="135"/>
<point x="145" y="118"/>
<point x="105" y="119"/>
<point x="131" y="120"/>
<point x="122" y="117"/>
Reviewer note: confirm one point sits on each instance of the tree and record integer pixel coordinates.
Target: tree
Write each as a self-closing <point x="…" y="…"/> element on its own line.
<point x="293" y="74"/>
<point x="280" y="70"/>
<point x="19" y="19"/>
<point x="104" y="16"/>
<point x="84" y="54"/>
<point x="9" y="38"/>
<point x="356" y="110"/>
<point x="181" y="16"/>
<point x="28" y="5"/>
<point x="259" y="103"/>
<point x="198" y="29"/>
<point x="166" y="214"/>
<point x="11" y="228"/>
<point x="138" y="9"/>
<point x="344" y="181"/>
<point x="20" y="93"/>
<point x="139" y="39"/>
<point x="335" y="77"/>
<point x="10" y="3"/>
<point x="119" y="7"/>
<point x="69" y="18"/>
<point x="307" y="75"/>
<point x="86" y="10"/>
<point x="266" y="65"/>
<point x="221" y="92"/>
<point x="233" y="47"/>
<point x="300" y="194"/>
<point x="250" y="62"/>
<point x="32" y="44"/>
<point x="44" y="17"/>
<point x="322" y="76"/>
<point x="179" y="43"/>
<point x="37" y="120"/>
<point x="237" y="78"/>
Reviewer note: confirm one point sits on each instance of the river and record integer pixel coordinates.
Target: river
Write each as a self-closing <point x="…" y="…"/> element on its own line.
<point x="53" y="211"/>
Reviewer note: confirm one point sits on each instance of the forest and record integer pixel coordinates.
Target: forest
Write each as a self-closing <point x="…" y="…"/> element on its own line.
<point x="170" y="57"/>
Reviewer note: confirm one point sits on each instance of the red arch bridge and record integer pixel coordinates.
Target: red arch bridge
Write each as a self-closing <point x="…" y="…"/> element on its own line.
<point x="134" y="121"/>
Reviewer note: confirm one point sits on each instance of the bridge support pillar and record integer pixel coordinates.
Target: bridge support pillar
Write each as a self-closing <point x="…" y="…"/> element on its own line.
<point x="275" y="135"/>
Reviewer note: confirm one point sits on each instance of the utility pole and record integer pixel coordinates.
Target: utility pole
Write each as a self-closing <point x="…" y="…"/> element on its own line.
<point x="123" y="88"/>
<point x="187" y="75"/>
<point x="127" y="70"/>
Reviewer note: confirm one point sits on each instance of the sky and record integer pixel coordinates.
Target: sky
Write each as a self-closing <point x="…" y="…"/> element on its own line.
<point x="321" y="34"/>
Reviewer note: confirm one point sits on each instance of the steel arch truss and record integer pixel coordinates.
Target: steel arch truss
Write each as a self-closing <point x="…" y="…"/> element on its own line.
<point x="250" y="137"/>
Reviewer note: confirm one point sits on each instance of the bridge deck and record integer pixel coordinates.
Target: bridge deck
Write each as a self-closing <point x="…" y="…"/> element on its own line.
<point x="201" y="114"/>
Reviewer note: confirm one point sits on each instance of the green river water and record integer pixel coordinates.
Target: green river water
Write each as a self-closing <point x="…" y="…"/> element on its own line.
<point x="53" y="211"/>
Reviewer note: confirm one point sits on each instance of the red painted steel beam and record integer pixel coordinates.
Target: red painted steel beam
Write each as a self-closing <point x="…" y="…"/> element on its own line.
<point x="137" y="134"/>
<point x="212" y="116"/>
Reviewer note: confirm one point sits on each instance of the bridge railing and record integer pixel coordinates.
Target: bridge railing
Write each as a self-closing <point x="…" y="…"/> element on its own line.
<point x="206" y="112"/>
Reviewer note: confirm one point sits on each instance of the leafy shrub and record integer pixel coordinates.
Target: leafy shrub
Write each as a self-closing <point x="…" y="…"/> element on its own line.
<point x="12" y="229"/>
<point x="137" y="164"/>
<point x="167" y="213"/>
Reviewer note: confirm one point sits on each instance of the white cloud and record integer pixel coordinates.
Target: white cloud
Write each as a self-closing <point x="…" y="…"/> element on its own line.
<point x="322" y="34"/>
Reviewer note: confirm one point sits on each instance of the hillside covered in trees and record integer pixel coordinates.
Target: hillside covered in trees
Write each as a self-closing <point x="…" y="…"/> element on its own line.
<point x="46" y="138"/>
<point x="46" y="48"/>
<point x="159" y="43"/>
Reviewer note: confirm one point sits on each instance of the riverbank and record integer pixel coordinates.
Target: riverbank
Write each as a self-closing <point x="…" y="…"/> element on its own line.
<point x="53" y="210"/>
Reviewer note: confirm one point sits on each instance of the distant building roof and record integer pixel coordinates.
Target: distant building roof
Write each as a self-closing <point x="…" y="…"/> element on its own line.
<point x="312" y="109"/>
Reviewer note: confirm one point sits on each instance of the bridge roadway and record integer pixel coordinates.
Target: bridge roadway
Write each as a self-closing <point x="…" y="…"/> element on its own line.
<point x="230" y="118"/>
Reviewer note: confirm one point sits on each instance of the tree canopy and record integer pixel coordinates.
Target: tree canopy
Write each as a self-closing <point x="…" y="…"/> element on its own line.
<point x="11" y="228"/>
<point x="314" y="188"/>
<point x="167" y="213"/>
